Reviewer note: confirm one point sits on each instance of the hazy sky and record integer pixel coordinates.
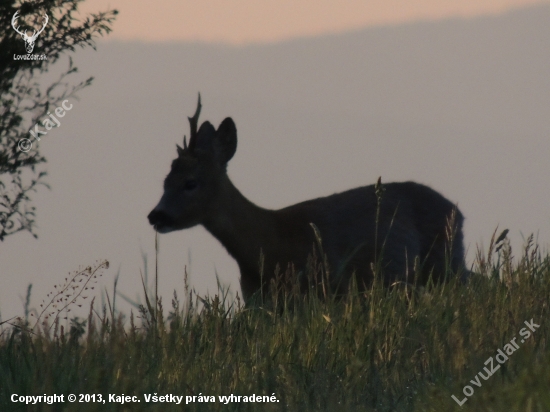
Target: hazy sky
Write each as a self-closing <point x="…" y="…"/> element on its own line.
<point x="460" y="104"/>
<point x="246" y="21"/>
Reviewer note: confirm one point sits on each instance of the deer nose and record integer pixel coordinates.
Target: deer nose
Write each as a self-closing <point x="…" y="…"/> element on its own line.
<point x="159" y="218"/>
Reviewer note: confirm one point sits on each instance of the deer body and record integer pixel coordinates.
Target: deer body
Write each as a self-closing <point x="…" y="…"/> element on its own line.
<point x="358" y="227"/>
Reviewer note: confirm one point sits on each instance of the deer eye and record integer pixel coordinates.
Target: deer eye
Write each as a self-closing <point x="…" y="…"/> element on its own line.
<point x="190" y="185"/>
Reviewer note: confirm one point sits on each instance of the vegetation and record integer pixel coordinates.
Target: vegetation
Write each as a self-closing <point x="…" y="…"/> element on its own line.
<point x="400" y="349"/>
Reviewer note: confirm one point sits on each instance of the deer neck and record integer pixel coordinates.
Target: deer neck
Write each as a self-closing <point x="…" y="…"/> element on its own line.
<point x="242" y="227"/>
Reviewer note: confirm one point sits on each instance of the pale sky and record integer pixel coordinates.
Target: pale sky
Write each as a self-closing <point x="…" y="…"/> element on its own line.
<point x="261" y="21"/>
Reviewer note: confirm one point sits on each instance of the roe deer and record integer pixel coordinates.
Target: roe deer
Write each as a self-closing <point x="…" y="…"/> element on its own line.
<point x="412" y="230"/>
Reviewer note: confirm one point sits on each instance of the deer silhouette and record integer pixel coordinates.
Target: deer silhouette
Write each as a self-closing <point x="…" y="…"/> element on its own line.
<point x="406" y="231"/>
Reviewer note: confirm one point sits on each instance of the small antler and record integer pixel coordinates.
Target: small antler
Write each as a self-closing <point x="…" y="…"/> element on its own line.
<point x="14" y="20"/>
<point x="193" y="123"/>
<point x="35" y="35"/>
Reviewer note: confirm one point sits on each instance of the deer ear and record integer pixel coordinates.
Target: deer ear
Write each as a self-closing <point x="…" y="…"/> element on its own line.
<point x="226" y="140"/>
<point x="204" y="138"/>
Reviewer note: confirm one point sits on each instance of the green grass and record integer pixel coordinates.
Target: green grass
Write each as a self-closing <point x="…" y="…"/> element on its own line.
<point x="402" y="349"/>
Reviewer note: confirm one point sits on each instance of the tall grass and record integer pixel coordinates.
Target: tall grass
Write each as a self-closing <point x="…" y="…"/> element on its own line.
<point x="398" y="349"/>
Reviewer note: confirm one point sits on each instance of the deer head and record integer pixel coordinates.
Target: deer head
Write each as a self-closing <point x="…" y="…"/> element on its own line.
<point x="196" y="177"/>
<point x="29" y="40"/>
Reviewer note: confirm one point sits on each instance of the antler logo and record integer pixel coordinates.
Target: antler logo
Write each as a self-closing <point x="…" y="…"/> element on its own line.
<point x="29" y="40"/>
